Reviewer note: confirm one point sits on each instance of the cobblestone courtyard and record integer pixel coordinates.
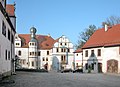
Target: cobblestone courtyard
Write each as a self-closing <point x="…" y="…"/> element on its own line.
<point x="53" y="79"/>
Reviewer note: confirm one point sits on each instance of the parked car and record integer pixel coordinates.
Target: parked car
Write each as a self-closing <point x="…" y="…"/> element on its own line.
<point x="66" y="70"/>
<point x="78" y="70"/>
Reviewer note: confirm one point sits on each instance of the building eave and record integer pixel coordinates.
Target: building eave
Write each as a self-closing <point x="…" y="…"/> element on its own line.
<point x="6" y="17"/>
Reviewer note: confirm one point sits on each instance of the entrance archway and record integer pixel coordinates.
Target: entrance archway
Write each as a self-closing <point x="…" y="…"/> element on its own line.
<point x="112" y="66"/>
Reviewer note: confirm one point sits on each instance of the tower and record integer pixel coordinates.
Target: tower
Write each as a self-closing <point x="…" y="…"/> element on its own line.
<point x="33" y="50"/>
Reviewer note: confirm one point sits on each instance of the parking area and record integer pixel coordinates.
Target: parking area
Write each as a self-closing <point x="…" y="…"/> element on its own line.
<point x="54" y="79"/>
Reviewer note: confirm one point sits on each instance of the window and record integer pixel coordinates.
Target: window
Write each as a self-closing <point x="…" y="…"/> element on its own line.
<point x="19" y="53"/>
<point x="17" y="44"/>
<point x="76" y="54"/>
<point x="60" y="43"/>
<point x="63" y="58"/>
<point x="32" y="63"/>
<point x="61" y="49"/>
<point x="35" y="53"/>
<point x="6" y="54"/>
<point x="39" y="53"/>
<point x="3" y="29"/>
<point x="57" y="50"/>
<point x="68" y="50"/>
<point x="65" y="43"/>
<point x="33" y="44"/>
<point x="47" y="52"/>
<point x="86" y="53"/>
<point x="43" y="59"/>
<point x="46" y="59"/>
<point x="8" y="34"/>
<point x="99" y="52"/>
<point x="92" y="53"/>
<point x="30" y="53"/>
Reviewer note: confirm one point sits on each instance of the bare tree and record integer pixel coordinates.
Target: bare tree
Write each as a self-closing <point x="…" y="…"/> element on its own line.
<point x="112" y="20"/>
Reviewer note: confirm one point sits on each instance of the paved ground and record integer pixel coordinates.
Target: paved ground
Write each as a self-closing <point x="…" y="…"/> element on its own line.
<point x="52" y="79"/>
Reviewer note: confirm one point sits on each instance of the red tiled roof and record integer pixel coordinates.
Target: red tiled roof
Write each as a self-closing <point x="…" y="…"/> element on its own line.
<point x="45" y="42"/>
<point x="78" y="50"/>
<point x="10" y="10"/>
<point x="100" y="37"/>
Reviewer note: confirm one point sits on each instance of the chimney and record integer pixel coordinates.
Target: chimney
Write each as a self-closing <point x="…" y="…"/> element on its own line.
<point x="106" y="27"/>
<point x="48" y="35"/>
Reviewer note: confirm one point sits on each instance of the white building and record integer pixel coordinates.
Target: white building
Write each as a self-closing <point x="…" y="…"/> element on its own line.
<point x="101" y="53"/>
<point x="78" y="59"/>
<point x="62" y="56"/>
<point x="7" y="32"/>
<point x="39" y="51"/>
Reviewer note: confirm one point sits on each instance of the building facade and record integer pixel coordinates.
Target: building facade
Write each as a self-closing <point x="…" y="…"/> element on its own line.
<point x="101" y="53"/>
<point x="7" y="33"/>
<point x="62" y="56"/>
<point x="78" y="59"/>
<point x="39" y="51"/>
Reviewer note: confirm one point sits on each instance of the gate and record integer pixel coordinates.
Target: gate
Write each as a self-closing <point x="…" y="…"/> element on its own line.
<point x="112" y="66"/>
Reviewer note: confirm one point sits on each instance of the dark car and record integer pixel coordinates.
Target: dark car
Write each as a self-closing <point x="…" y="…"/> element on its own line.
<point x="66" y="70"/>
<point x="78" y="70"/>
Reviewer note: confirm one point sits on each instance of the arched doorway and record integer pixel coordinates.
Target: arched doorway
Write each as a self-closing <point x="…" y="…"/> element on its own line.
<point x="112" y="66"/>
<point x="46" y="66"/>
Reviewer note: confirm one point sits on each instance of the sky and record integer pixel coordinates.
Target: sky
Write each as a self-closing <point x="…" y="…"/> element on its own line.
<point x="62" y="17"/>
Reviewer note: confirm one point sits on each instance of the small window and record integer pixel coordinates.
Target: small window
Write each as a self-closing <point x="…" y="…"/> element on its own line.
<point x="39" y="53"/>
<point x="60" y="43"/>
<point x="33" y="44"/>
<point x="86" y="53"/>
<point x="76" y="54"/>
<point x="68" y="50"/>
<point x="43" y="59"/>
<point x="99" y="52"/>
<point x="32" y="63"/>
<point x="57" y="50"/>
<point x="46" y="59"/>
<point x="19" y="53"/>
<point x="3" y="29"/>
<point x="30" y="53"/>
<point x="48" y="53"/>
<point x="8" y="34"/>
<point x="65" y="43"/>
<point x="6" y="54"/>
<point x="61" y="49"/>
